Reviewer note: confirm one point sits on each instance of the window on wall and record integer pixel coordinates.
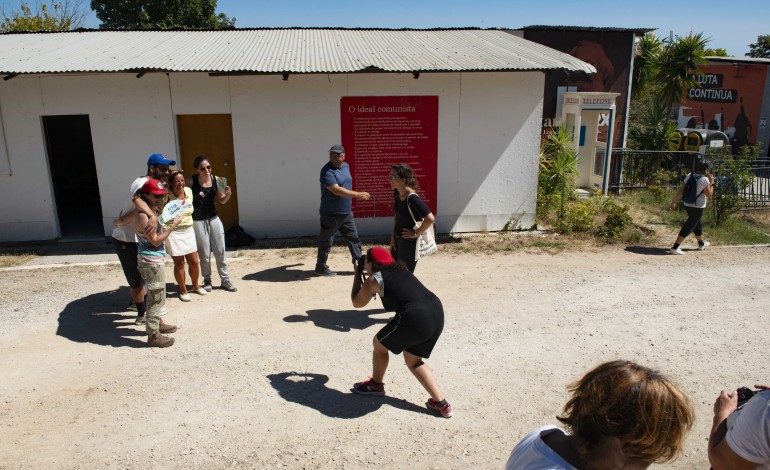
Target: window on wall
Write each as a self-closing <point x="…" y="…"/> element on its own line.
<point x="599" y="159"/>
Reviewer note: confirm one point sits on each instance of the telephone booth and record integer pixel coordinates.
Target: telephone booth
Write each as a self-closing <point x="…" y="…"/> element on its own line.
<point x="590" y="116"/>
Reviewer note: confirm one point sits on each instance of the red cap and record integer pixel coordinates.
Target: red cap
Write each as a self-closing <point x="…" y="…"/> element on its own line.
<point x="381" y="256"/>
<point x="154" y="187"/>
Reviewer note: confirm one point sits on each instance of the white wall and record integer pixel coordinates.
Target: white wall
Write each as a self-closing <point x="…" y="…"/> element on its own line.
<point x="489" y="127"/>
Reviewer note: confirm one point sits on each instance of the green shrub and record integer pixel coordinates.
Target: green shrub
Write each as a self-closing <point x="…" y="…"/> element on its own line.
<point x="617" y="221"/>
<point x="658" y="193"/>
<point x="579" y="216"/>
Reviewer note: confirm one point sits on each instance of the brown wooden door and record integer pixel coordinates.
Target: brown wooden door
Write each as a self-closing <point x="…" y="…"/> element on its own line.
<point x="211" y="135"/>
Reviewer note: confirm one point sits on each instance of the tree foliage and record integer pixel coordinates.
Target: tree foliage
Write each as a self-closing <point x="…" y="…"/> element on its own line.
<point x="54" y="15"/>
<point x="761" y="48"/>
<point x="677" y="63"/>
<point x="664" y="70"/>
<point x="160" y="14"/>
<point x="732" y="175"/>
<point x="718" y="52"/>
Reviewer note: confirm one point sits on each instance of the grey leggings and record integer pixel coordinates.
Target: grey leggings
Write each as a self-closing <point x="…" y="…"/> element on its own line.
<point x="210" y="236"/>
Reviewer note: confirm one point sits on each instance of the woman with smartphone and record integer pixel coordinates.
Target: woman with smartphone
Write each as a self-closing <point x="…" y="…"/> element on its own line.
<point x="209" y="231"/>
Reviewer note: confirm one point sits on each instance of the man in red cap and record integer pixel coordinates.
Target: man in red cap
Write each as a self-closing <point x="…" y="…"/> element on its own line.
<point x="124" y="235"/>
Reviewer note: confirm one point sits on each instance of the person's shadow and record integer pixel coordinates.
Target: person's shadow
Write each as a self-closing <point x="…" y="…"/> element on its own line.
<point x="344" y="321"/>
<point x="310" y="390"/>
<point x="647" y="250"/>
<point x="102" y="319"/>
<point x="281" y="274"/>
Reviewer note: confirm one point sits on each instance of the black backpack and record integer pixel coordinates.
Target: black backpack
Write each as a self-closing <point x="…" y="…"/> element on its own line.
<point x="236" y="237"/>
<point x="690" y="194"/>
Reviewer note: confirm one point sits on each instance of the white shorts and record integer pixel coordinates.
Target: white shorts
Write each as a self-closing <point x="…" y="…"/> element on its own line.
<point x="181" y="242"/>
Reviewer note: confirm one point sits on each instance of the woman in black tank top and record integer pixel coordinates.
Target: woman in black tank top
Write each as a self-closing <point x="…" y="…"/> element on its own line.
<point x="414" y="330"/>
<point x="209" y="231"/>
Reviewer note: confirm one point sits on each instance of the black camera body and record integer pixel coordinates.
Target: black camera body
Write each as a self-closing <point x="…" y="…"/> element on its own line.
<point x="360" y="265"/>
<point x="745" y="394"/>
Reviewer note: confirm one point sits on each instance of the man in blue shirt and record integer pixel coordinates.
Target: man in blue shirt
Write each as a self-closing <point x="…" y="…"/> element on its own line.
<point x="336" y="209"/>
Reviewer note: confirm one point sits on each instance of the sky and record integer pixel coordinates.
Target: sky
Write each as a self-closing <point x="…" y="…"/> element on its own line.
<point x="731" y="25"/>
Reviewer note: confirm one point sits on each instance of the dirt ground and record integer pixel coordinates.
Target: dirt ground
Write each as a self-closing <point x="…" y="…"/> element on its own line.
<point x="261" y="378"/>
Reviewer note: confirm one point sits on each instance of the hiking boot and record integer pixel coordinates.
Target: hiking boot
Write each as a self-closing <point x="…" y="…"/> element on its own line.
<point x="324" y="272"/>
<point x="159" y="341"/>
<point x="368" y="387"/>
<point x="704" y="246"/>
<point x="228" y="286"/>
<point x="140" y="320"/>
<point x="207" y="285"/>
<point x="446" y="410"/>
<point x="166" y="327"/>
<point x="678" y="251"/>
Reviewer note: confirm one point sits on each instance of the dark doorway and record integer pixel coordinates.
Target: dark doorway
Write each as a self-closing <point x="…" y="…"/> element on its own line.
<point x="73" y="172"/>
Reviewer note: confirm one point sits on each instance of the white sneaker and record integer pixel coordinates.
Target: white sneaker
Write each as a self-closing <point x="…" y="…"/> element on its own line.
<point x="163" y="311"/>
<point x="678" y="251"/>
<point x="185" y="297"/>
<point x="704" y="246"/>
<point x="200" y="291"/>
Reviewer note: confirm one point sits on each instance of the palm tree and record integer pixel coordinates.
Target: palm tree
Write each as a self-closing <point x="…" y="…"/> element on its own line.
<point x="558" y="166"/>
<point x="677" y="63"/>
<point x="645" y="59"/>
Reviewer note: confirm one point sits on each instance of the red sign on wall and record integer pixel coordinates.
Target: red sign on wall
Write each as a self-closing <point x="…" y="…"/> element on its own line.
<point x="380" y="131"/>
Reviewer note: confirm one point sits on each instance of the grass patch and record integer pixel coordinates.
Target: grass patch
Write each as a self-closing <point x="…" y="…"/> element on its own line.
<point x="650" y="209"/>
<point x="11" y="259"/>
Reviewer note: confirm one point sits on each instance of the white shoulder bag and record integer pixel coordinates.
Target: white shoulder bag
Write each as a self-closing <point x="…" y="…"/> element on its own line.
<point x="426" y="243"/>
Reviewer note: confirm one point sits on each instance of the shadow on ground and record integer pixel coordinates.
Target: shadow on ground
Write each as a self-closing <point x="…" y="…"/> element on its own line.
<point x="310" y="390"/>
<point x="344" y="321"/>
<point x="281" y="274"/>
<point x="647" y="250"/>
<point x="102" y="319"/>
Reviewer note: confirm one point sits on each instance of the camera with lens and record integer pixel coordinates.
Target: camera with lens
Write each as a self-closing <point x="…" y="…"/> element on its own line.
<point x="745" y="394"/>
<point x="360" y="265"/>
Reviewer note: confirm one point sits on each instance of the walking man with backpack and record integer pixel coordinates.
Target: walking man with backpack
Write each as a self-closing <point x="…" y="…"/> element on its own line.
<point x="697" y="189"/>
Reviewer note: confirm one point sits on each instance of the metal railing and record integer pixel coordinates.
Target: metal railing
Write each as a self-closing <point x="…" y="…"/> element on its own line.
<point x="633" y="169"/>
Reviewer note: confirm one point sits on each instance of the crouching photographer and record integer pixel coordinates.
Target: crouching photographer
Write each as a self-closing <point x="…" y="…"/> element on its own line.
<point x="413" y="331"/>
<point x="740" y="433"/>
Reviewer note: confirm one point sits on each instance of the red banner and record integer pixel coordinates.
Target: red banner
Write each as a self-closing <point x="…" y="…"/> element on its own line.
<point x="380" y="131"/>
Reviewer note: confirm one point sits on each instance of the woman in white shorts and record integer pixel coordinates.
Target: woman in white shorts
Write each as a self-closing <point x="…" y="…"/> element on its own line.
<point x="181" y="243"/>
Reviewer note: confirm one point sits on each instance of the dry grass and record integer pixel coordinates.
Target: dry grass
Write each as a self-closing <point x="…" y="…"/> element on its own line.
<point x="11" y="259"/>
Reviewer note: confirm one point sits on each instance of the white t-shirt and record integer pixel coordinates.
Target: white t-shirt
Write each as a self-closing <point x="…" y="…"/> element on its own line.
<point x="534" y="454"/>
<point x="749" y="434"/>
<point x="127" y="233"/>
<point x="703" y="183"/>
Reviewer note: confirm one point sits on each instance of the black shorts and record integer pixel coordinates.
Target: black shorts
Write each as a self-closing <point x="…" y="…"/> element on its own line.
<point x="415" y="329"/>
<point x="127" y="254"/>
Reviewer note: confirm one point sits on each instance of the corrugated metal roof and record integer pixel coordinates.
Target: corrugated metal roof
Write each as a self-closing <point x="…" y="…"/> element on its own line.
<point x="741" y="60"/>
<point x="295" y="50"/>
<point x="611" y="29"/>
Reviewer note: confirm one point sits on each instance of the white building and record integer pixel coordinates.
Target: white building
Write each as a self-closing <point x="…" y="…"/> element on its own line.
<point x="81" y="111"/>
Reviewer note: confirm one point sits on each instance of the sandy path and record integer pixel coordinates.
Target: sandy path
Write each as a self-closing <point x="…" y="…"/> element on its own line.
<point x="261" y="378"/>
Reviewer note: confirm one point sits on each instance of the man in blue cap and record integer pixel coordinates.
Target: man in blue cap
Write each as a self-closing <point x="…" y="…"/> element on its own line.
<point x="336" y="209"/>
<point x="124" y="236"/>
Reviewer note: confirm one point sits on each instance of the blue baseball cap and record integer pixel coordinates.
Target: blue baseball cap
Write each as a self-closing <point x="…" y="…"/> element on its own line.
<point x="159" y="159"/>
